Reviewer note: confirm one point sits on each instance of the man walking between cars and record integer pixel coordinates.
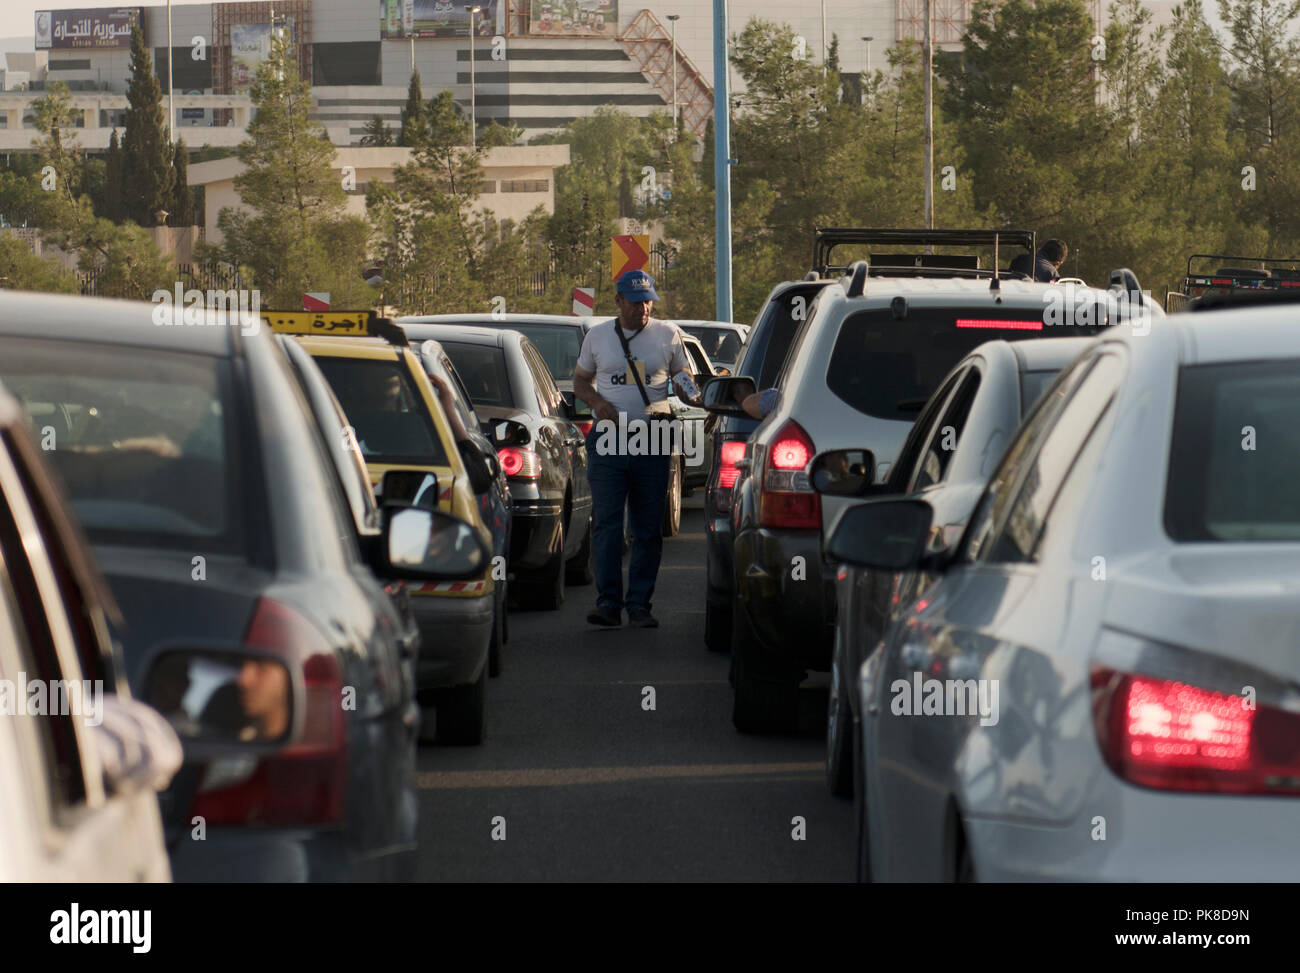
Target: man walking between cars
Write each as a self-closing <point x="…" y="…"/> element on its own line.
<point x="631" y="359"/>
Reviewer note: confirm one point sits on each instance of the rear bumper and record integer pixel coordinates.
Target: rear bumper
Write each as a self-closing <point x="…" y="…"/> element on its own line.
<point x="455" y="633"/>
<point x="790" y="600"/>
<point x="534" y="537"/>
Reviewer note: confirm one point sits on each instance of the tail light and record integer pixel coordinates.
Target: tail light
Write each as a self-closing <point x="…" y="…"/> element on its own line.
<point x="787" y="498"/>
<point x="520" y="464"/>
<point x="730" y="452"/>
<point x="305" y="783"/>
<point x="584" y="426"/>
<point x="1171" y="735"/>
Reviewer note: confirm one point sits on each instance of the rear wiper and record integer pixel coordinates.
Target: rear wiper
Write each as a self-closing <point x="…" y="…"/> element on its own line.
<point x="911" y="405"/>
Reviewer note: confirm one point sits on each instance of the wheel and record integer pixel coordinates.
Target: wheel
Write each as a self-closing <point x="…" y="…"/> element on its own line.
<point x="673" y="503"/>
<point x="548" y="592"/>
<point x="764" y="700"/>
<point x="462" y="713"/>
<point x="839" y="732"/>
<point x="579" y="571"/>
<point x="717" y="627"/>
<point x="498" y="633"/>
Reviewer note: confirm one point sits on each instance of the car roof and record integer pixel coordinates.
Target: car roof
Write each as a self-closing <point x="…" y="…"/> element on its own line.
<point x="69" y="317"/>
<point x="451" y="331"/>
<point x="340" y="347"/>
<point x="1048" y="354"/>
<point x="504" y="321"/>
<point x="1235" y="334"/>
<point x="708" y="324"/>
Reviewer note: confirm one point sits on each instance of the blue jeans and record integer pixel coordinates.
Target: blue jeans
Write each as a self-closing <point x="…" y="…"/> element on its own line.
<point x="641" y="484"/>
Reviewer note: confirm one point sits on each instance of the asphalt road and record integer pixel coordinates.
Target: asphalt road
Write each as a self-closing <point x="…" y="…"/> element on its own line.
<point x="587" y="785"/>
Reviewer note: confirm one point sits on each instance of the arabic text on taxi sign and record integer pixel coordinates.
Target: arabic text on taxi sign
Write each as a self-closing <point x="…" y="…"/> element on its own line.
<point x="319" y="322"/>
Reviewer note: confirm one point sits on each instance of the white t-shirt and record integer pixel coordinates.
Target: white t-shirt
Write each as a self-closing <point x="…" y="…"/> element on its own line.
<point x="658" y="350"/>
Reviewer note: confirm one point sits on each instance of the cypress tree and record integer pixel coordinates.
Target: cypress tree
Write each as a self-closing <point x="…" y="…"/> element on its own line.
<point x="113" y="180"/>
<point x="182" y="205"/>
<point x="146" y="155"/>
<point x="415" y="117"/>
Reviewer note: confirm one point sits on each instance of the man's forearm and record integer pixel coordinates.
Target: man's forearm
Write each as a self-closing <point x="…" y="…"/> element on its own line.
<point x="583" y="389"/>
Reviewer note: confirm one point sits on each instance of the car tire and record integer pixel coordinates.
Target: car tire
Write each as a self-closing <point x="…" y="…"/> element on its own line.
<point x="498" y="634"/>
<point x="580" y="570"/>
<point x="717" y="627"/>
<point x="839" y="732"/>
<point x="764" y="701"/>
<point x="673" y="501"/>
<point x="461" y="713"/>
<point x="548" y="593"/>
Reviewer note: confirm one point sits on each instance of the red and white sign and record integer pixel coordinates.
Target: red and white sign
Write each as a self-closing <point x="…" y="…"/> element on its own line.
<point x="316" y="301"/>
<point x="629" y="252"/>
<point x="584" y="301"/>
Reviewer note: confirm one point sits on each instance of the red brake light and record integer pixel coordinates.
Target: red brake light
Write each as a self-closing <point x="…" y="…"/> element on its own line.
<point x="787" y="498"/>
<point x="306" y="781"/>
<point x="732" y="453"/>
<point x="1174" y="736"/>
<point x="519" y="464"/>
<point x="998" y="325"/>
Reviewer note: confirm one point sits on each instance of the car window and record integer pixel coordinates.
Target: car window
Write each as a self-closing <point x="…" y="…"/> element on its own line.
<point x="383" y="405"/>
<point x="700" y="364"/>
<point x="720" y="344"/>
<point x="548" y="396"/>
<point x="774" y="333"/>
<point x="906" y="466"/>
<point x="440" y="366"/>
<point x="993" y="503"/>
<point x="145" y="443"/>
<point x="1032" y="386"/>
<point x="1235" y="453"/>
<point x="882" y="366"/>
<point x="942" y="444"/>
<point x="33" y="606"/>
<point x="1017" y="538"/>
<point x="557" y="344"/>
<point x="483" y="368"/>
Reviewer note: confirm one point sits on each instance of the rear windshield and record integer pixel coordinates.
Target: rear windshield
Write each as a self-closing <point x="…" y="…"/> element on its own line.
<point x="722" y="345"/>
<point x="483" y="370"/>
<point x="559" y="346"/>
<point x="144" y="441"/>
<point x="1235" y="454"/>
<point x="888" y="368"/>
<point x="384" y="407"/>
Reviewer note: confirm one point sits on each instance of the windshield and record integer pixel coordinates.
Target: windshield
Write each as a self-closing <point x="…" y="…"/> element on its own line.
<point x="1235" y="454"/>
<point x="558" y="344"/>
<point x="142" y="440"/>
<point x="383" y="406"/>
<point x="888" y="368"/>
<point x="722" y="345"/>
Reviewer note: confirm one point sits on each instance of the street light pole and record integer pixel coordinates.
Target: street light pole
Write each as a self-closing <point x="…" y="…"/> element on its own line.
<point x="673" y="18"/>
<point x="928" y="141"/>
<point x="473" y="107"/>
<point x="867" y="41"/>
<point x="721" y="163"/>
<point x="171" y="88"/>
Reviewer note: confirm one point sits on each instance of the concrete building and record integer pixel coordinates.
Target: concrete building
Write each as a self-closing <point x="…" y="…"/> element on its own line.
<point x="537" y="64"/>
<point x="517" y="179"/>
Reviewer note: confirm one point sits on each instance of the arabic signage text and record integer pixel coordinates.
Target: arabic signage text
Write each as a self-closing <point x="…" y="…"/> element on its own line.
<point x="105" y="28"/>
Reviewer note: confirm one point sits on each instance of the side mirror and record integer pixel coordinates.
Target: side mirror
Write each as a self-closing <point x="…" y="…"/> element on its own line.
<point x="843" y="472"/>
<point x="222" y="697"/>
<point x="889" y="535"/>
<point x="722" y="396"/>
<point x="507" y="432"/>
<point x="409" y="488"/>
<point x="429" y="545"/>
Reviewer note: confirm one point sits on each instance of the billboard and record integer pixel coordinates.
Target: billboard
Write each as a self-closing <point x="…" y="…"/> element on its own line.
<point x="573" y="18"/>
<point x="250" y="45"/>
<point x="400" y="19"/>
<point x="103" y="29"/>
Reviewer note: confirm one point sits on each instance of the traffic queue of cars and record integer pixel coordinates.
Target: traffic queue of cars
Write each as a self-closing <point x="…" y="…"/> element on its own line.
<point x="1050" y="567"/>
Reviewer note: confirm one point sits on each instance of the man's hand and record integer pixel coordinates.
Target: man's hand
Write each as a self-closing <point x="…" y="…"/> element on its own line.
<point x="583" y="389"/>
<point x="604" y="409"/>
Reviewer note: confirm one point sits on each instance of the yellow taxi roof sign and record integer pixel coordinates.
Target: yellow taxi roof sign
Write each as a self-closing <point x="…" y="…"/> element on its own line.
<point x="354" y="324"/>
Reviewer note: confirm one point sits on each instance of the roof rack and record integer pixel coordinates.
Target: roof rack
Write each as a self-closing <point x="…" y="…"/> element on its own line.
<point x="1225" y="277"/>
<point x="339" y="324"/>
<point x="826" y="239"/>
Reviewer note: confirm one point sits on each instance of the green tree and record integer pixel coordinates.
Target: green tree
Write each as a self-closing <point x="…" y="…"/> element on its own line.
<point x="146" y="152"/>
<point x="182" y="200"/>
<point x="293" y="199"/>
<point x="415" y="119"/>
<point x="377" y="133"/>
<point x="22" y="270"/>
<point x="114" y="208"/>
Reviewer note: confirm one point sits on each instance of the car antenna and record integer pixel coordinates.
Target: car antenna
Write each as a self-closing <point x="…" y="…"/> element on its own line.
<point x="995" y="287"/>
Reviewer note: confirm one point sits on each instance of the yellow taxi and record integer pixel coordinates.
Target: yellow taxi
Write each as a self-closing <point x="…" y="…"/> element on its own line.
<point x="399" y="424"/>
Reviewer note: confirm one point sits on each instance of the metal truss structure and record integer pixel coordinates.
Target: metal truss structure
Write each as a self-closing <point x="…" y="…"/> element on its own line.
<point x="650" y="46"/>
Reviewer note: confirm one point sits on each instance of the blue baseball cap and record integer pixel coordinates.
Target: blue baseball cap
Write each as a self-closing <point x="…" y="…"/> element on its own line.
<point x="637" y="285"/>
